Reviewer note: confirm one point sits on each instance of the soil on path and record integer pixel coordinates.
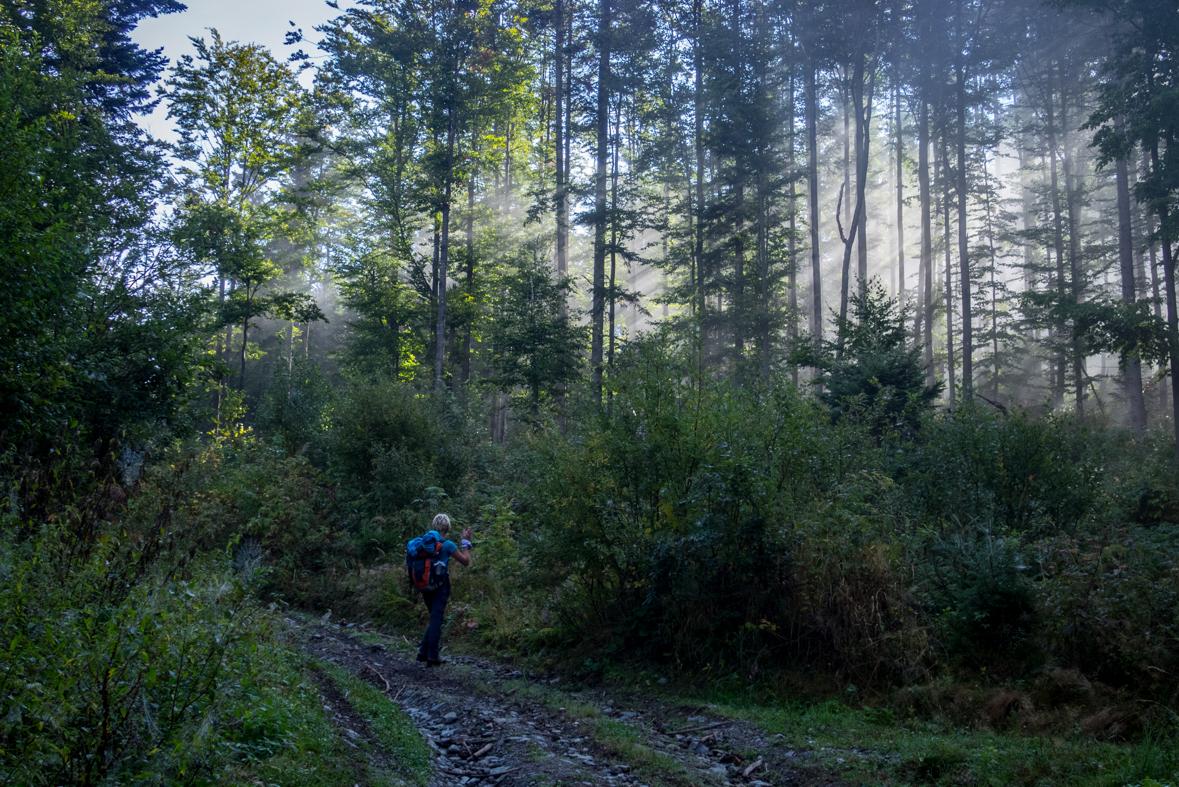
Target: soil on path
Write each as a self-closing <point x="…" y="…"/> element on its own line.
<point x="489" y="726"/>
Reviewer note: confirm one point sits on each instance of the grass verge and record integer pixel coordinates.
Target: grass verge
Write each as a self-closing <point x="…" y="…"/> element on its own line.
<point x="393" y="729"/>
<point x="868" y="746"/>
<point x="303" y="746"/>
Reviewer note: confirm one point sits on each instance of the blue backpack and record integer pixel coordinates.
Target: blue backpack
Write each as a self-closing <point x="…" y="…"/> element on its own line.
<point x="423" y="558"/>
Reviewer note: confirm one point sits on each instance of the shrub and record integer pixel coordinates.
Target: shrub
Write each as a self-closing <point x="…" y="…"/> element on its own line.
<point x="295" y="408"/>
<point x="387" y="444"/>
<point x="987" y="617"/>
<point x="872" y="367"/>
<point x="974" y="468"/>
<point x="131" y="654"/>
<point x="1111" y="605"/>
<point x="704" y="524"/>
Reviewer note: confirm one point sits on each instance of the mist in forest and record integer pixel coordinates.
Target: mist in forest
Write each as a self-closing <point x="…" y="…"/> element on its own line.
<point x="732" y="172"/>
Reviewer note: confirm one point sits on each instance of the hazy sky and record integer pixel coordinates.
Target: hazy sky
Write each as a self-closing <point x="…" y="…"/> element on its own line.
<point x="260" y="21"/>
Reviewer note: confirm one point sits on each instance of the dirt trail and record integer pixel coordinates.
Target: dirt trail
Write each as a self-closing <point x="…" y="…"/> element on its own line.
<point x="490" y="726"/>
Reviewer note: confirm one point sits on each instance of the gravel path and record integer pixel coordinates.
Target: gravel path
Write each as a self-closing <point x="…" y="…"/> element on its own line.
<point x="491" y="726"/>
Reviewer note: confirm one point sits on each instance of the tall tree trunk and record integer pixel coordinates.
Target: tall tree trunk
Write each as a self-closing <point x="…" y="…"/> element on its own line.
<point x="1133" y="374"/>
<point x="597" y="307"/>
<point x="559" y="143"/>
<point x="221" y="349"/>
<point x="994" y="266"/>
<point x="470" y="222"/>
<point x="942" y="174"/>
<point x="1057" y="216"/>
<point x="792" y="238"/>
<point x="963" y="241"/>
<point x="926" y="236"/>
<point x="561" y="147"/>
<point x="1156" y="287"/>
<point x="843" y="99"/>
<point x="1172" y="315"/>
<point x="862" y="106"/>
<point x="812" y="149"/>
<point x="612" y="290"/>
<point x="698" y="121"/>
<point x="433" y="346"/>
<point x="861" y="189"/>
<point x="444" y="249"/>
<point x="241" y="379"/>
<point x="1137" y="243"/>
<point x="739" y="305"/>
<point x="900" y="204"/>
<point x="1076" y="276"/>
<point x="763" y="259"/>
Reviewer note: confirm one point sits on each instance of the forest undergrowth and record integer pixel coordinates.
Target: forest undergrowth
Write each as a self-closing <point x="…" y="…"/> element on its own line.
<point x="954" y="580"/>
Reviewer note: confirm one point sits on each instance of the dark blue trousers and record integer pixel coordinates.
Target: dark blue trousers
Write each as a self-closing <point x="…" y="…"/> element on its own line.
<point x="436" y="603"/>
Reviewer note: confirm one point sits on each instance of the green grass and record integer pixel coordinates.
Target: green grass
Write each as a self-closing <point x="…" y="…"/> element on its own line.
<point x="870" y="747"/>
<point x="312" y="753"/>
<point x="393" y="729"/>
<point x="623" y="742"/>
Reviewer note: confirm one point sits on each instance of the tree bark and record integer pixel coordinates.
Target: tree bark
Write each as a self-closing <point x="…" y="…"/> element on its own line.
<point x="862" y="106"/>
<point x="791" y="239"/>
<point x="926" y="236"/>
<point x="444" y="249"/>
<point x="1132" y="377"/>
<point x="812" y="146"/>
<point x="963" y="241"/>
<point x="861" y="188"/>
<point x="597" y="306"/>
<point x="1172" y="315"/>
<point x="1057" y="217"/>
<point x="900" y="204"/>
<point x="698" y="121"/>
<point x="1076" y="275"/>
<point x="559" y="143"/>
<point x="470" y="222"/>
<point x="941" y="173"/>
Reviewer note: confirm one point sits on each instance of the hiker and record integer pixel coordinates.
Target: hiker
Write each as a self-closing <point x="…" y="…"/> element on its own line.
<point x="426" y="558"/>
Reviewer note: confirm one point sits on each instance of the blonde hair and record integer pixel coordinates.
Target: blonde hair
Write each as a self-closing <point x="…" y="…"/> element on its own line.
<point x="441" y="523"/>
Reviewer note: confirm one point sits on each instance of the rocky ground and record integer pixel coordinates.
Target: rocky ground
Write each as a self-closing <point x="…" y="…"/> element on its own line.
<point x="492" y="726"/>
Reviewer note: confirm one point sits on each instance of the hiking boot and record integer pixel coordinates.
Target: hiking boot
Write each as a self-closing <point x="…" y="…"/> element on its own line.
<point x="421" y="657"/>
<point x="436" y="662"/>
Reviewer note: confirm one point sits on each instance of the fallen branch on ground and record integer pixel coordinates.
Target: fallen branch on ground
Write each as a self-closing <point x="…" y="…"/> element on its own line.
<point x="701" y="728"/>
<point x="379" y="675"/>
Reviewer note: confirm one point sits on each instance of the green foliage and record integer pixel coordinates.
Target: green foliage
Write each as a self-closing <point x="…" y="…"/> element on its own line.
<point x="978" y="469"/>
<point x="1111" y="606"/>
<point x="132" y="651"/>
<point x="370" y="282"/>
<point x="99" y="317"/>
<point x="238" y="111"/>
<point x="869" y="368"/>
<point x="295" y="407"/>
<point x="536" y="345"/>
<point x="687" y="524"/>
<point x="387" y="443"/>
<point x="988" y="612"/>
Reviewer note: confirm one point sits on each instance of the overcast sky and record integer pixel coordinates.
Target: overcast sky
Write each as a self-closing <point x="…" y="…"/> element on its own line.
<point x="259" y="21"/>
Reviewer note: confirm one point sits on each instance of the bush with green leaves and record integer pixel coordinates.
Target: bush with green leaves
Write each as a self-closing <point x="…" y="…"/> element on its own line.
<point x="1111" y="606"/>
<point x="973" y="468"/>
<point x="711" y="525"/>
<point x="296" y="405"/>
<point x="133" y="652"/>
<point x="871" y="367"/>
<point x="388" y="442"/>
<point x="979" y="589"/>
